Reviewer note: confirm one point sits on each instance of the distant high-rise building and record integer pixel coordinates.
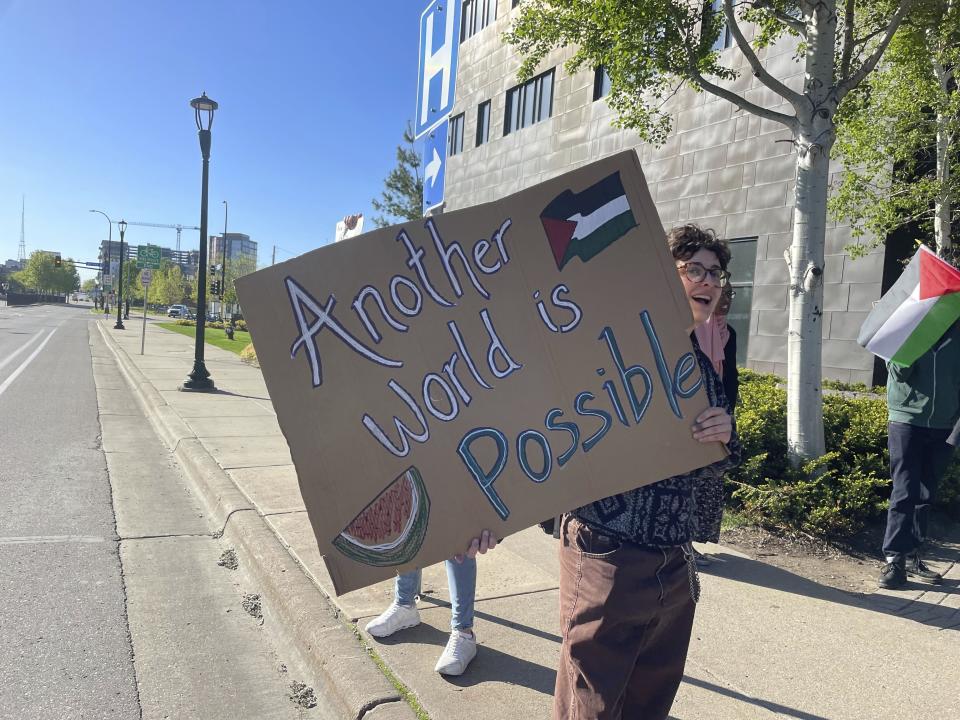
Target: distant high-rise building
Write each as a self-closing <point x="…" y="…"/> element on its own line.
<point x="239" y="247"/>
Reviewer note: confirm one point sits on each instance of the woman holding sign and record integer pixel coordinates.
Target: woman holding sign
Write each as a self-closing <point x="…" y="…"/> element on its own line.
<point x="628" y="580"/>
<point x="461" y="647"/>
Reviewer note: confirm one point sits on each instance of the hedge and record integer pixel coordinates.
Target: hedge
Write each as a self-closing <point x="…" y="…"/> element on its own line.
<point x="216" y="324"/>
<point x="833" y="496"/>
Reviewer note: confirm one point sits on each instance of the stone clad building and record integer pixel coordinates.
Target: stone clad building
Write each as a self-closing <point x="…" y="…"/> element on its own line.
<point x="720" y="167"/>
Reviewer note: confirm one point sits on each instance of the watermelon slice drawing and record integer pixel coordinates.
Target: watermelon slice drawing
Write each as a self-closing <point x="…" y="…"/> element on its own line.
<point x="390" y="530"/>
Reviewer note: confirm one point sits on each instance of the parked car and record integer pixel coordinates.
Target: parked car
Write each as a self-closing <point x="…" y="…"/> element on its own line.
<point x="178" y="311"/>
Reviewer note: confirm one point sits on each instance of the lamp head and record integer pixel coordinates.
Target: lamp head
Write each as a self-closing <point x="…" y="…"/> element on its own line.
<point x="123" y="226"/>
<point x="204" y="108"/>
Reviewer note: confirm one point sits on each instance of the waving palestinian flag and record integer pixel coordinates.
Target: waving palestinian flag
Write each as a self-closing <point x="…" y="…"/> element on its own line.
<point x="916" y="312"/>
<point x="582" y="224"/>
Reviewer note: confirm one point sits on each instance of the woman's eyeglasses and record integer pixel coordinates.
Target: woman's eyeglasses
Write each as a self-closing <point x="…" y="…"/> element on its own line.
<point x="696" y="272"/>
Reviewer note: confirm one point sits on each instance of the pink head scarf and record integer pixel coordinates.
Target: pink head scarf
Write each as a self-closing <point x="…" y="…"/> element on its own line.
<point x="712" y="337"/>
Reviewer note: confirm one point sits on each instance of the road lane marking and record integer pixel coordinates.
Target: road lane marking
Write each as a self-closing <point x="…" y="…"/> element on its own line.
<point x="20" y="349"/>
<point x="46" y="539"/>
<point x="23" y="366"/>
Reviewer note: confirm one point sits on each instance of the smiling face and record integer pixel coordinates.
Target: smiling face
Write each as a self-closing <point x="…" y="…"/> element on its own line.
<point x="704" y="295"/>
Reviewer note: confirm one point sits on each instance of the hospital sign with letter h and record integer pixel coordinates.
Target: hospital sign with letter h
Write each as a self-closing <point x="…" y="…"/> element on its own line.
<point x="439" y="43"/>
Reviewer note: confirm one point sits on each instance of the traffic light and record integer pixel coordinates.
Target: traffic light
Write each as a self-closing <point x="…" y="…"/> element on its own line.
<point x="215" y="287"/>
<point x="57" y="261"/>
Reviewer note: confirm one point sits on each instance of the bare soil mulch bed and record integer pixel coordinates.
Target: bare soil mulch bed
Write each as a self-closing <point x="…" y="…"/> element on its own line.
<point x="852" y="565"/>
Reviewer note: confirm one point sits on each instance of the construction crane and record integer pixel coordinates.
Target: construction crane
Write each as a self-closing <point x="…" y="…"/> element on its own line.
<point x="178" y="228"/>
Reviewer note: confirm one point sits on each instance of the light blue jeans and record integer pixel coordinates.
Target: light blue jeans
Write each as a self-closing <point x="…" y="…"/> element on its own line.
<point x="462" y="581"/>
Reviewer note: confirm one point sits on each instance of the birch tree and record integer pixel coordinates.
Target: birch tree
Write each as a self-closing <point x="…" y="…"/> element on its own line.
<point x="899" y="134"/>
<point x="237" y="267"/>
<point x="652" y="48"/>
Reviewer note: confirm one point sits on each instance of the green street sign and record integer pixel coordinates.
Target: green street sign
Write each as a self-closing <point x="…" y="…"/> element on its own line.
<point x="148" y="256"/>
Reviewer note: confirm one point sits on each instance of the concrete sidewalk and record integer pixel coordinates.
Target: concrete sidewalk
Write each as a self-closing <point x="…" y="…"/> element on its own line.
<point x="766" y="643"/>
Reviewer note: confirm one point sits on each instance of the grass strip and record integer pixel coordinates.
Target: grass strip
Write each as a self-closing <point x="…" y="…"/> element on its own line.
<point x="404" y="691"/>
<point x="213" y="336"/>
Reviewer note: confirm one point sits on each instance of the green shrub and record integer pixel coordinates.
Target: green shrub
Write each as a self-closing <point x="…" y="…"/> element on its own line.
<point x="184" y="321"/>
<point x="857" y="387"/>
<point x="249" y="355"/>
<point x="835" y="495"/>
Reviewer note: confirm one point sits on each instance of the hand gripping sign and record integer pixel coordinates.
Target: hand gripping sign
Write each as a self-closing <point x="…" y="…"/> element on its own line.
<point x="485" y="368"/>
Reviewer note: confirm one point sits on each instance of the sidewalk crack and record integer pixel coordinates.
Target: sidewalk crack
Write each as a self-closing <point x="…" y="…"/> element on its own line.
<point x="367" y="707"/>
<point x="167" y="535"/>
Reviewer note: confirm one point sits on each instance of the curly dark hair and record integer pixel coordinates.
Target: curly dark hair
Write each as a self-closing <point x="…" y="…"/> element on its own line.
<point x="686" y="240"/>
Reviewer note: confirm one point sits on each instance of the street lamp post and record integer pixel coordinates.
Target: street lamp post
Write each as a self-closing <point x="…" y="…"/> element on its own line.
<point x="109" y="246"/>
<point x="199" y="377"/>
<point x="119" y="326"/>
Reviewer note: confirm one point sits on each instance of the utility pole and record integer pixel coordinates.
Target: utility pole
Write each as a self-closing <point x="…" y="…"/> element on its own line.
<point x="22" y="250"/>
<point x="223" y="265"/>
<point x="273" y="258"/>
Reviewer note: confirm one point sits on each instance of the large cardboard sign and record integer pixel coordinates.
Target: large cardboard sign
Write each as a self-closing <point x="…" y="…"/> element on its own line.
<point x="487" y="368"/>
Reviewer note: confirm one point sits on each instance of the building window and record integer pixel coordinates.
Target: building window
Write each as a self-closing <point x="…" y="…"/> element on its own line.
<point x="529" y="103"/>
<point x="456" y="135"/>
<point x="601" y="83"/>
<point x="477" y="14"/>
<point x="725" y="38"/>
<point x="514" y="3"/>
<point x="743" y="261"/>
<point x="483" y="123"/>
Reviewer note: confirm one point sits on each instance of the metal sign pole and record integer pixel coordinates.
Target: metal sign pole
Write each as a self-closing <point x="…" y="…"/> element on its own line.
<point x="143" y="332"/>
<point x="146" y="276"/>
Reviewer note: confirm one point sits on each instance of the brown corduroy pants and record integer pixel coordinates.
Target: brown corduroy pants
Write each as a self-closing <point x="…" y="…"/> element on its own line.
<point x="626" y="614"/>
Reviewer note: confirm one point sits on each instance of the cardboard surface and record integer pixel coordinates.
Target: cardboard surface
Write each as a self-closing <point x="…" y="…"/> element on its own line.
<point x="482" y="369"/>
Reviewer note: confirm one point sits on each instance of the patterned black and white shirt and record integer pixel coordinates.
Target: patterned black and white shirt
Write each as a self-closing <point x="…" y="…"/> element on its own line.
<point x="679" y="509"/>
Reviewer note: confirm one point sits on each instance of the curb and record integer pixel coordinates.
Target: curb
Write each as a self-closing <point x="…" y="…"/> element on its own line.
<point x="305" y="620"/>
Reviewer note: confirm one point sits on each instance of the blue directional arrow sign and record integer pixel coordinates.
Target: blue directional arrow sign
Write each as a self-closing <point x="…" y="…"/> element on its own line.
<point x="434" y="165"/>
<point x="439" y="43"/>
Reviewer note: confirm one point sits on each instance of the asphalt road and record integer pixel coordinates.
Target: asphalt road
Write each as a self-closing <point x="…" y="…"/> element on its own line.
<point x="64" y="645"/>
<point x="112" y="601"/>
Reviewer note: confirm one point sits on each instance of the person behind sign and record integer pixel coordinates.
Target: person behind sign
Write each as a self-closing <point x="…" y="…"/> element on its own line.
<point x="718" y="341"/>
<point x="461" y="648"/>
<point x="628" y="580"/>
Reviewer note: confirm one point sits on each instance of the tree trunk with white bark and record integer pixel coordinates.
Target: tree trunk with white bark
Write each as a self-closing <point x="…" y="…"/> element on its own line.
<point x="814" y="140"/>
<point x="943" y="208"/>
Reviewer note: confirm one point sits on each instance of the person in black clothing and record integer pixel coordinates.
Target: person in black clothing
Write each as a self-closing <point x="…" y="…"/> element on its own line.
<point x="730" y="375"/>
<point x="923" y="406"/>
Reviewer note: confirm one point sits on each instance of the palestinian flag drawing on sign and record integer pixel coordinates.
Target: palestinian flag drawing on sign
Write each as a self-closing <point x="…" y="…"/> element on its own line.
<point x="582" y="224"/>
<point x="914" y="313"/>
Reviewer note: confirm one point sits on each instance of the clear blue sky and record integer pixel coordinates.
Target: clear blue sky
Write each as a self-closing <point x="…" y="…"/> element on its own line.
<point x="314" y="96"/>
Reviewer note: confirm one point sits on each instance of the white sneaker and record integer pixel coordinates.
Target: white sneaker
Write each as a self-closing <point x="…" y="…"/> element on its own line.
<point x="394" y="618"/>
<point x="460" y="650"/>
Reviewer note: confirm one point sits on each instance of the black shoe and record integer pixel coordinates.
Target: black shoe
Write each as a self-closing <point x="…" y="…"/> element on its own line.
<point x="916" y="569"/>
<point x="893" y="575"/>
